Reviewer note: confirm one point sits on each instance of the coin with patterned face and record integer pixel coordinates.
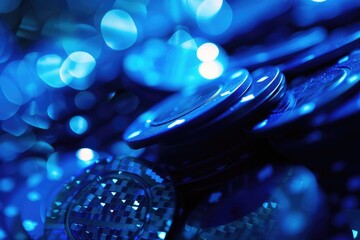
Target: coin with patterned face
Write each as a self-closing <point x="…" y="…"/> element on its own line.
<point x="312" y="95"/>
<point x="115" y="198"/>
<point x="338" y="43"/>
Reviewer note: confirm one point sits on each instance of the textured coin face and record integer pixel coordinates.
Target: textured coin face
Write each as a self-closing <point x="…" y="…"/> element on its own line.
<point x="116" y="199"/>
<point x="189" y="102"/>
<point x="312" y="95"/>
<point x="186" y="110"/>
<point x="336" y="45"/>
<point x="102" y="200"/>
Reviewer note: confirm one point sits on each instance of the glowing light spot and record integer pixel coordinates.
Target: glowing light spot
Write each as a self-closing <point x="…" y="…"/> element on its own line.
<point x="76" y="69"/>
<point x="118" y="29"/>
<point x="319" y="1"/>
<point x="33" y="196"/>
<point x="354" y="78"/>
<point x="9" y="5"/>
<point x="262" y="79"/>
<point x="78" y="125"/>
<point x="217" y="23"/>
<point x="6" y="184"/>
<point x="247" y="98"/>
<point x="355" y="233"/>
<point x="261" y="124"/>
<point x="86" y="154"/>
<point x="208" y="9"/>
<point x="344" y="59"/>
<point x="176" y="122"/>
<point x="48" y="69"/>
<point x="308" y="58"/>
<point x="79" y="64"/>
<point x="135" y="208"/>
<point x="11" y="211"/>
<point x="134" y="134"/>
<point x="29" y="225"/>
<point x="55" y="174"/>
<point x="162" y="235"/>
<point x="237" y="74"/>
<point x="211" y="70"/>
<point x="207" y="52"/>
<point x="307" y="108"/>
<point x="225" y="93"/>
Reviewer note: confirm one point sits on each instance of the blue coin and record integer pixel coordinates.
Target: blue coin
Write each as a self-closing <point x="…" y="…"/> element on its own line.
<point x="268" y="55"/>
<point x="119" y="198"/>
<point x="347" y="110"/>
<point x="351" y="61"/>
<point x="260" y="206"/>
<point x="268" y="86"/>
<point x="338" y="43"/>
<point x="187" y="109"/>
<point x="312" y="95"/>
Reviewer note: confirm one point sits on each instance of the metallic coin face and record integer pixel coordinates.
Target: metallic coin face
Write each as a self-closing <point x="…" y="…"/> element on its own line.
<point x="189" y="102"/>
<point x="101" y="202"/>
<point x="268" y="83"/>
<point x="186" y="110"/>
<point x="121" y="198"/>
<point x="268" y="87"/>
<point x="339" y="42"/>
<point x="312" y="95"/>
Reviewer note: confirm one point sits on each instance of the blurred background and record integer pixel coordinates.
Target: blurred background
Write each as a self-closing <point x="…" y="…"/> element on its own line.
<point x="74" y="74"/>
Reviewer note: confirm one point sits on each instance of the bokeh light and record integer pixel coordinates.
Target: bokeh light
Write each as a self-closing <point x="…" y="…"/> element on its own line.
<point x="207" y="52"/>
<point x="86" y="154"/>
<point x="85" y="38"/>
<point x="75" y="71"/>
<point x="211" y="70"/>
<point x="118" y="29"/>
<point x="48" y="68"/>
<point x="78" y="124"/>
